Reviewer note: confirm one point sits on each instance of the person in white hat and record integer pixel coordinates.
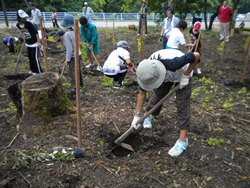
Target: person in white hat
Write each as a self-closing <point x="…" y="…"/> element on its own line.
<point x="116" y="64"/>
<point x="32" y="41"/>
<point x="159" y="73"/>
<point x="87" y="10"/>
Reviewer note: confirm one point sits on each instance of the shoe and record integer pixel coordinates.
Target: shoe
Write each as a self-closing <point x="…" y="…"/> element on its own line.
<point x="30" y="72"/>
<point x="147" y="124"/>
<point x="221" y="38"/>
<point x="99" y="68"/>
<point x="198" y="71"/>
<point x="146" y="35"/>
<point x="33" y="73"/>
<point x="178" y="148"/>
<point x="138" y="34"/>
<point x="89" y="66"/>
<point x="227" y="40"/>
<point x="116" y="85"/>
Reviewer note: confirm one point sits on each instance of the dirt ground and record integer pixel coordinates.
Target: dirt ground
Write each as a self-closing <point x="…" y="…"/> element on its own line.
<point x="218" y="155"/>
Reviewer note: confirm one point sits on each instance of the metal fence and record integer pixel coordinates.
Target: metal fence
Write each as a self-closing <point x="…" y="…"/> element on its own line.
<point x="96" y="16"/>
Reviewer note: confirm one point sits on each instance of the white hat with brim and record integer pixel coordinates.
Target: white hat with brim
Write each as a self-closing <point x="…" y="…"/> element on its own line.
<point x="150" y="74"/>
<point x="22" y="14"/>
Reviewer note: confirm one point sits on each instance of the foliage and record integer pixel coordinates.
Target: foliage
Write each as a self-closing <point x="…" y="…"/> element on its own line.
<point x="215" y="141"/>
<point x="62" y="155"/>
<point x="11" y="108"/>
<point x="107" y="82"/>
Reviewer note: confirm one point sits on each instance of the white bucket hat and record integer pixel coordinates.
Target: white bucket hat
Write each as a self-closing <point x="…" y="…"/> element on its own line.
<point x="150" y="74"/>
<point x="22" y="14"/>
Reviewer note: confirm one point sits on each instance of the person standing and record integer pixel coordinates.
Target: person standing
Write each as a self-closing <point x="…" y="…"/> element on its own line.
<point x="35" y="15"/>
<point x="85" y="14"/>
<point x="32" y="41"/>
<point x="68" y="39"/>
<point x="159" y="73"/>
<point x="168" y="24"/>
<point x="89" y="10"/>
<point x="143" y="18"/>
<point x="89" y="36"/>
<point x="225" y="13"/>
<point x="54" y="19"/>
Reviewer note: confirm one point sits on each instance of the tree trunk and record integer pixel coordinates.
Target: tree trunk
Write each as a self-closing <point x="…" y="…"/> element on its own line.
<point x="213" y="18"/>
<point x="5" y="14"/>
<point x="235" y="11"/>
<point x="205" y="13"/>
<point x="246" y="63"/>
<point x="39" y="99"/>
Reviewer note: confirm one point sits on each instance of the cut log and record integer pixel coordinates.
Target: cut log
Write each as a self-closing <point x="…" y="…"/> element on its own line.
<point x="39" y="99"/>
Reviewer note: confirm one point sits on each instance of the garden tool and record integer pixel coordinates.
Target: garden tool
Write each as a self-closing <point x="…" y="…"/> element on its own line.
<point x="139" y="124"/>
<point x="93" y="54"/>
<point x="19" y="55"/>
<point x="131" y="68"/>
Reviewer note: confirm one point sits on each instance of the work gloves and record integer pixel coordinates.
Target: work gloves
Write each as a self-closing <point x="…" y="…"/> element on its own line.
<point x="135" y="120"/>
<point x="184" y="81"/>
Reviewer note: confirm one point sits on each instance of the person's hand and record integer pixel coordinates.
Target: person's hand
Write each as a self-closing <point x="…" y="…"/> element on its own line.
<point x="135" y="120"/>
<point x="161" y="38"/>
<point x="39" y="44"/>
<point x="184" y="81"/>
<point x="66" y="63"/>
<point x="8" y="44"/>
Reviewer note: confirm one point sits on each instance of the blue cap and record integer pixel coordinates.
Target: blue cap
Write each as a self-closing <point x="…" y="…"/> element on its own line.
<point x="68" y="21"/>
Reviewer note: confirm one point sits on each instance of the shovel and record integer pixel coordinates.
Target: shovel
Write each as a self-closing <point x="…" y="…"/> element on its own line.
<point x="119" y="141"/>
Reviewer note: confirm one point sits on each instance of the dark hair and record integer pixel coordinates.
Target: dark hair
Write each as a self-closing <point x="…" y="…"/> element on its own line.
<point x="83" y="20"/>
<point x="170" y="10"/>
<point x="182" y="25"/>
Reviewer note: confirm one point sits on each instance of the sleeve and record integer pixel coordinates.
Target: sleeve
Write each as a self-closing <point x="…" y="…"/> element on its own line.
<point x="178" y="62"/>
<point x="125" y="55"/>
<point x="69" y="47"/>
<point x="94" y="37"/>
<point x="176" y="22"/>
<point x="182" y="39"/>
<point x="39" y="13"/>
<point x="82" y="34"/>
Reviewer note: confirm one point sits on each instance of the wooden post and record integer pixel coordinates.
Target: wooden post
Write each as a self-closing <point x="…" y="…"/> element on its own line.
<point x="77" y="78"/>
<point x="142" y="38"/>
<point x="106" y="30"/>
<point x="44" y="43"/>
<point x="113" y="35"/>
<point x="246" y="58"/>
<point x="5" y="14"/>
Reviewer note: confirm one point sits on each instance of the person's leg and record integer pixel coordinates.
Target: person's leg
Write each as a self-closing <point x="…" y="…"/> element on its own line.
<point x="227" y="31"/>
<point x="53" y="22"/>
<point x="221" y="31"/>
<point x="140" y="22"/>
<point x="183" y="109"/>
<point x="56" y="23"/>
<point x="121" y="77"/>
<point x="37" y="65"/>
<point x="31" y="57"/>
<point x="72" y="73"/>
<point x="164" y="42"/>
<point x="146" y="25"/>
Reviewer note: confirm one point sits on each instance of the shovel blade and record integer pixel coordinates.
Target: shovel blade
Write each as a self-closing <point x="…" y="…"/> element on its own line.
<point x="127" y="146"/>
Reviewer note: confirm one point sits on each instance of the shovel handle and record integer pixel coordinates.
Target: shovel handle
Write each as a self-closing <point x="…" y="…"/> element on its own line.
<point x="139" y="123"/>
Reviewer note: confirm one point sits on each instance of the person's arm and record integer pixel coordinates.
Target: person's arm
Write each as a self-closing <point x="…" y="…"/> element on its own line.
<point x="38" y="40"/>
<point x="140" y="100"/>
<point x="69" y="47"/>
<point x="94" y="37"/>
<point x="82" y="34"/>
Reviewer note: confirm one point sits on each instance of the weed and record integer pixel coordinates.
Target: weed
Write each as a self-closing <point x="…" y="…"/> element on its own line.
<point x="158" y="165"/>
<point x="116" y="170"/>
<point x="228" y="105"/>
<point x="11" y="108"/>
<point x="107" y="82"/>
<point x="206" y="80"/>
<point x="62" y="155"/>
<point x="139" y="44"/>
<point x="215" y="141"/>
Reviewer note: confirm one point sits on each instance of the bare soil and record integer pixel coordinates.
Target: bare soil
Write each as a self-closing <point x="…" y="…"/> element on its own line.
<point x="220" y="110"/>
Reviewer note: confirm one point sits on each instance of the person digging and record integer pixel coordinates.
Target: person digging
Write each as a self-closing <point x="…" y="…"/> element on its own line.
<point x="118" y="64"/>
<point x="159" y="73"/>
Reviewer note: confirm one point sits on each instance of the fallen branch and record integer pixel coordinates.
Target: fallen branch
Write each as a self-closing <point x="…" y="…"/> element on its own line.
<point x="10" y="143"/>
<point x="116" y="127"/>
<point x="231" y="164"/>
<point x="108" y="170"/>
<point x="25" y="179"/>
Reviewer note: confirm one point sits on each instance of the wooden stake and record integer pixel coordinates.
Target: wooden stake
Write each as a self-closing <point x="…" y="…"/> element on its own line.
<point x="113" y="35"/>
<point x="19" y="55"/>
<point x="77" y="78"/>
<point x="246" y="58"/>
<point x="44" y="43"/>
<point x="142" y="37"/>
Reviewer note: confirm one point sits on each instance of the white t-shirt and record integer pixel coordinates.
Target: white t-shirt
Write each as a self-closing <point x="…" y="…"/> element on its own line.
<point x="113" y="63"/>
<point x="35" y="16"/>
<point x="171" y="54"/>
<point x="176" y="37"/>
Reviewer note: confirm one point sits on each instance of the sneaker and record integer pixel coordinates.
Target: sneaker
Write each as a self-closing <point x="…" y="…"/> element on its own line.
<point x="221" y="38"/>
<point x="227" y="40"/>
<point x="138" y="34"/>
<point x="89" y="66"/>
<point x="116" y="85"/>
<point x="146" y="35"/>
<point x="178" y="148"/>
<point x="198" y="71"/>
<point x="147" y="124"/>
<point x="99" y="68"/>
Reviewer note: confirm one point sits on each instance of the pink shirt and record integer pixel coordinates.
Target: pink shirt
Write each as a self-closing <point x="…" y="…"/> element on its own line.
<point x="225" y="14"/>
<point x="53" y="15"/>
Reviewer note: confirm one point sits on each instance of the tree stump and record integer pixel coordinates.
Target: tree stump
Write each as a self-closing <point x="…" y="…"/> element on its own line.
<point x="42" y="99"/>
